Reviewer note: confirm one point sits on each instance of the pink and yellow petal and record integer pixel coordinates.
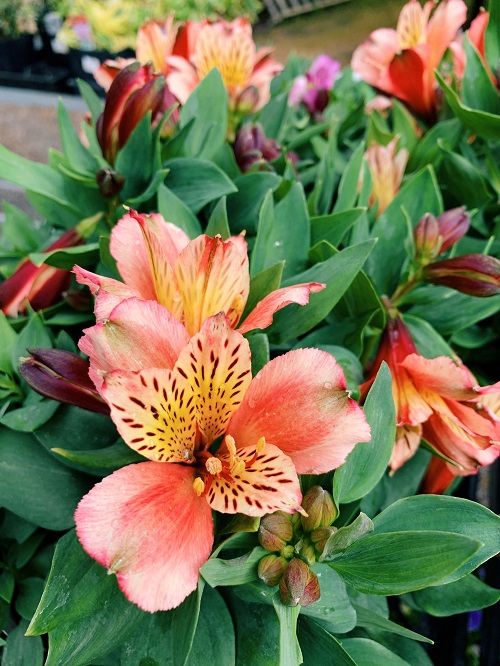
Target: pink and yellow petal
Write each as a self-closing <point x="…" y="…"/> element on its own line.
<point x="217" y="366"/>
<point x="300" y="404"/>
<point x="260" y="483"/>
<point x="262" y="315"/>
<point x="154" y="413"/>
<point x="441" y="375"/>
<point x="107" y="291"/>
<point x="211" y="276"/>
<point x="443" y="27"/>
<point x="145" y="523"/>
<point x="137" y="334"/>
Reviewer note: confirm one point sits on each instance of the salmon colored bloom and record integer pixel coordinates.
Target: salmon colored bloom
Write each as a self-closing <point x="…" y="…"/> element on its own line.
<point x="151" y="523"/>
<point x="40" y="286"/>
<point x="476" y="33"/>
<point x="192" y="279"/>
<point x="228" y="46"/>
<point x="387" y="168"/>
<point x="440" y="401"/>
<point x="401" y="62"/>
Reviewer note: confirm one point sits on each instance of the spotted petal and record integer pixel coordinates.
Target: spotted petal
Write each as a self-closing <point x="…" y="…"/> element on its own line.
<point x="146" y="524"/>
<point x="211" y="277"/>
<point x="268" y="483"/>
<point x="138" y="334"/>
<point x="154" y="412"/>
<point x="299" y="403"/>
<point x="216" y="364"/>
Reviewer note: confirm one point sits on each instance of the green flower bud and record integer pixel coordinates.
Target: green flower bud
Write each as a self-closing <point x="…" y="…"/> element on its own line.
<point x="271" y="568"/>
<point x="299" y="585"/>
<point x="320" y="537"/>
<point x="320" y="509"/>
<point x="275" y="531"/>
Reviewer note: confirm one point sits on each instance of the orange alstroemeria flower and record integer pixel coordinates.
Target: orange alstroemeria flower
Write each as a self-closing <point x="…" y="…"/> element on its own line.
<point x="228" y="46"/>
<point x="151" y="523"/>
<point x="439" y="401"/>
<point x="401" y="62"/>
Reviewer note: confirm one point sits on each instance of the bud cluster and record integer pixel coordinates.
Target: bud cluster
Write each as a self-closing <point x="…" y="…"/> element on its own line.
<point x="294" y="543"/>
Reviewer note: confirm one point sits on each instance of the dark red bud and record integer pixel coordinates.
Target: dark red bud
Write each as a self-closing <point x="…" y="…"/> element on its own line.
<point x="62" y="376"/>
<point x="110" y="182"/>
<point x="473" y="274"/>
<point x="453" y="225"/>
<point x="299" y="585"/>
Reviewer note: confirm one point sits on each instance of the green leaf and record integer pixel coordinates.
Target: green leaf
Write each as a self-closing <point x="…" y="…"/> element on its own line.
<point x="93" y="102"/>
<point x="333" y="611"/>
<point x="79" y="157"/>
<point x="290" y="654"/>
<point x="34" y="485"/>
<point x="492" y="37"/>
<point x="261" y="285"/>
<point x="19" y="229"/>
<point x="398" y="562"/>
<point x="486" y="125"/>
<point x="348" y="186"/>
<point x="259" y="350"/>
<point x="347" y="535"/>
<point x="332" y="228"/>
<point x="34" y="335"/>
<point x="445" y="134"/>
<point x="29" y="593"/>
<point x="214" y="641"/>
<point x="157" y="179"/>
<point x="450" y="514"/>
<point x="428" y="341"/>
<point x="419" y="195"/>
<point x="20" y="649"/>
<point x="184" y="623"/>
<point x="366" y="651"/>
<point x="150" y="643"/>
<point x="237" y="571"/>
<point x="196" y="182"/>
<point x="96" y="461"/>
<point x="337" y="272"/>
<point x="320" y="647"/>
<point x="66" y="258"/>
<point x="174" y="210"/>
<point x="366" y="464"/>
<point x="135" y="159"/>
<point x="370" y="620"/>
<point x="218" y="223"/>
<point x="244" y="205"/>
<point x="274" y="115"/>
<point x="478" y="90"/>
<point x="30" y="417"/>
<point x="8" y="337"/>
<point x="461" y="596"/>
<point x="406" y="648"/>
<point x="206" y="110"/>
<point x="464" y="182"/>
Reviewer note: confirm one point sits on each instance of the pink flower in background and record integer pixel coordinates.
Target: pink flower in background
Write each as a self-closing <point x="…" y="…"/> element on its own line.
<point x="387" y="168"/>
<point x="192" y="279"/>
<point x="401" y="62"/>
<point x="312" y="89"/>
<point x="228" y="46"/>
<point x="151" y="523"/>
<point x="476" y="33"/>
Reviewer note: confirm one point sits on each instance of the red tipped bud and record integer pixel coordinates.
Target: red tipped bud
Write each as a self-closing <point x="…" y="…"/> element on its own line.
<point x="270" y="569"/>
<point x="62" y="376"/>
<point x="473" y="274"/>
<point x="275" y="531"/>
<point x="320" y="509"/>
<point x="433" y="236"/>
<point x="453" y="224"/>
<point x="299" y="585"/>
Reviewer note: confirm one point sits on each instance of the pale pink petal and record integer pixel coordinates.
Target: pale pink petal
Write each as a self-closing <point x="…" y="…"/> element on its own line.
<point x="146" y="524"/>
<point x="443" y="27"/>
<point x="106" y="73"/>
<point x="441" y="375"/>
<point x="299" y="403"/>
<point x="155" y="42"/>
<point x="108" y="292"/>
<point x="406" y="444"/>
<point x="217" y="366"/>
<point x="262" y="315"/>
<point x="137" y="334"/>
<point x="298" y="90"/>
<point x="154" y="413"/>
<point x="213" y="277"/>
<point x="371" y="59"/>
<point x="182" y="79"/>
<point x="267" y="483"/>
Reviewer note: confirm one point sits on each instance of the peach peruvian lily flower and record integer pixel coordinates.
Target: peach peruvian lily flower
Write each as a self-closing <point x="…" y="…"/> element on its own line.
<point x="151" y="523"/>
<point x="439" y="401"/>
<point x="228" y="46"/>
<point x="401" y="62"/>
<point x="192" y="279"/>
<point x="387" y="168"/>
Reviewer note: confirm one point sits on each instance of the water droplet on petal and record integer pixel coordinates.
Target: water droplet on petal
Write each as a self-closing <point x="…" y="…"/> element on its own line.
<point x="328" y="385"/>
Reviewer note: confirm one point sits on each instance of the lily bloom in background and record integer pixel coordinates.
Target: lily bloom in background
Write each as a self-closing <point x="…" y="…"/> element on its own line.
<point x="151" y="523"/>
<point x="228" y="46"/>
<point x="387" y="168"/>
<point x="40" y="286"/>
<point x="401" y="62"/>
<point x="438" y="400"/>
<point x="312" y="88"/>
<point x="135" y="91"/>
<point x="192" y="279"/>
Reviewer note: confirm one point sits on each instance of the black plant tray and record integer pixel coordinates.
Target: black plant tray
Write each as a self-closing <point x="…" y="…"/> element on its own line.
<point x="36" y="77"/>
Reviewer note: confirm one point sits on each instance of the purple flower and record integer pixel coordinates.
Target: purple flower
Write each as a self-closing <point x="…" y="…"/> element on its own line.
<point x="312" y="89"/>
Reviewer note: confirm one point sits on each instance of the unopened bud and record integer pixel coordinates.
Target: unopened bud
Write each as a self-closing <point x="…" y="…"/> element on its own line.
<point x="320" y="508"/>
<point x="321" y="536"/>
<point x="110" y="182"/>
<point x="275" y="531"/>
<point x="270" y="569"/>
<point x="307" y="552"/>
<point x="427" y="239"/>
<point x="62" y="376"/>
<point x="473" y="274"/>
<point x="248" y="100"/>
<point x="453" y="225"/>
<point x="299" y="585"/>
